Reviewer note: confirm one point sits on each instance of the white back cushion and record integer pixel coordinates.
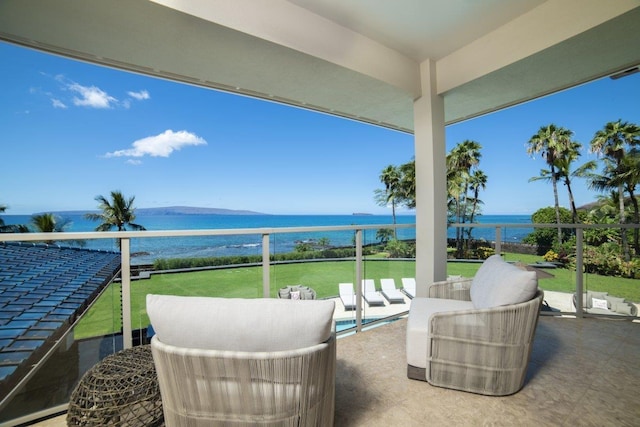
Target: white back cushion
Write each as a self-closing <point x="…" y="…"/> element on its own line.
<point x="499" y="283"/>
<point x="234" y="324"/>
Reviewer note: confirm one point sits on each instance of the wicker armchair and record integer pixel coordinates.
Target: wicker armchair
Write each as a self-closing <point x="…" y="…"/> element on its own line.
<point x="452" y="343"/>
<point x="208" y="383"/>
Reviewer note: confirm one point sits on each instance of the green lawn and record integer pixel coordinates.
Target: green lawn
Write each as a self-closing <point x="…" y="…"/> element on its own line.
<point x="246" y="282"/>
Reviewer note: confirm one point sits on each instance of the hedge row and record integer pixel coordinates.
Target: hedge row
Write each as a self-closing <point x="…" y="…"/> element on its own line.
<point x="182" y="263"/>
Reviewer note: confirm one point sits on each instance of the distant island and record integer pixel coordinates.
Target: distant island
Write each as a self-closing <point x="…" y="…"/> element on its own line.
<point x="189" y="210"/>
<point x="175" y="210"/>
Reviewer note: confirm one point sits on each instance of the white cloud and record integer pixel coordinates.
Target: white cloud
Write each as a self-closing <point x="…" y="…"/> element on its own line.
<point x="58" y="104"/>
<point x="134" y="162"/>
<point x="159" y="145"/>
<point x="140" y="96"/>
<point x="91" y="96"/>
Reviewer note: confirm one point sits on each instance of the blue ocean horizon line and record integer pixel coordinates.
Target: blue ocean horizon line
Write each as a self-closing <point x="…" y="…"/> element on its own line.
<point x="148" y="249"/>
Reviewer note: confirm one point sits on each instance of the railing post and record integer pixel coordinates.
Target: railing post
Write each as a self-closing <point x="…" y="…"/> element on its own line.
<point x="266" y="263"/>
<point x="125" y="274"/>
<point x="358" y="280"/>
<point x="579" y="271"/>
<point x="498" y="240"/>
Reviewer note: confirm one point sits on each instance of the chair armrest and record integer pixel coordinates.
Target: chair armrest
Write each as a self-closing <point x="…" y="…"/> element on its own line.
<point x="458" y="289"/>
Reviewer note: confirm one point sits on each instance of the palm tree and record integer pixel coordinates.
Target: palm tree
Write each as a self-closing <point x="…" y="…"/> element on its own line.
<point x="384" y="235"/>
<point x="391" y="177"/>
<point x="118" y="213"/>
<point x="632" y="179"/>
<point x="613" y="142"/>
<point x="552" y="142"/>
<point x="465" y="157"/>
<point x="570" y="155"/>
<point x="408" y="183"/>
<point x="564" y="174"/>
<point x="461" y="161"/>
<point x="324" y="242"/>
<point x="50" y="223"/>
<point x="11" y="228"/>
<point x="477" y="182"/>
<point x="2" y="209"/>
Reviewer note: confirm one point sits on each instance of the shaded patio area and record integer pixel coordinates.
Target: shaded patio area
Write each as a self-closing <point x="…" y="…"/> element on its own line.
<point x="582" y="372"/>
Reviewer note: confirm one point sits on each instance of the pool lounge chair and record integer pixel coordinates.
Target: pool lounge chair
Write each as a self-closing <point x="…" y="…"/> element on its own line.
<point x="347" y="296"/>
<point x="603" y="303"/>
<point x="390" y="292"/>
<point x="371" y="296"/>
<point x="409" y="286"/>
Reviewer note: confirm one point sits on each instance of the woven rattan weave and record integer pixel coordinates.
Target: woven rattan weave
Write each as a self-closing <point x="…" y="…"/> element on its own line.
<point x="121" y="390"/>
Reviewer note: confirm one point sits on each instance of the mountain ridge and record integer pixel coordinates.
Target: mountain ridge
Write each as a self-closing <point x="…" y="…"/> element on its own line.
<point x="174" y="210"/>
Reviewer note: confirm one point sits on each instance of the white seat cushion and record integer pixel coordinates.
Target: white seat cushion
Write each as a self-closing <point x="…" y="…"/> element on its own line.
<point x="234" y="324"/>
<point x="499" y="283"/>
<point x="420" y="313"/>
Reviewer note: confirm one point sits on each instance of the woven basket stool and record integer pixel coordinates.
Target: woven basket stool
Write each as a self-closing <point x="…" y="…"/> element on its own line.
<point x="122" y="389"/>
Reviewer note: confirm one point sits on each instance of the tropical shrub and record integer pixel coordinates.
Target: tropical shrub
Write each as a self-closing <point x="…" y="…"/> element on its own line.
<point x="397" y="249"/>
<point x="547" y="238"/>
<point x="607" y="261"/>
<point x="551" y="256"/>
<point x="485" y="252"/>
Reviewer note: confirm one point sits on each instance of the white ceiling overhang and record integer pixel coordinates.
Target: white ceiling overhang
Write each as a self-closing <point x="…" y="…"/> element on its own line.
<point x="359" y="59"/>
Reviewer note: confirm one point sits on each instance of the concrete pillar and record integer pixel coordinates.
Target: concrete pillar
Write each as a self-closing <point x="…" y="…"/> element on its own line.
<point x="431" y="188"/>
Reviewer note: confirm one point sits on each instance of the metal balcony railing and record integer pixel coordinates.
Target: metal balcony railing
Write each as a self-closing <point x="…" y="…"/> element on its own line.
<point x="362" y="236"/>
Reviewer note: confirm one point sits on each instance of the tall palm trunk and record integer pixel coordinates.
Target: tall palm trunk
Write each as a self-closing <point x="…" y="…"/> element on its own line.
<point x="574" y="211"/>
<point x="393" y="212"/>
<point x="623" y="220"/>
<point x="636" y="220"/>
<point x="556" y="200"/>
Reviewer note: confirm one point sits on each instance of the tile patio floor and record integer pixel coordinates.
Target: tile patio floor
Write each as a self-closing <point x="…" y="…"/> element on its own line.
<point x="583" y="372"/>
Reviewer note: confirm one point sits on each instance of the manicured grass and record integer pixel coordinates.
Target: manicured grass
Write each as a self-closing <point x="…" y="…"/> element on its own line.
<point x="323" y="277"/>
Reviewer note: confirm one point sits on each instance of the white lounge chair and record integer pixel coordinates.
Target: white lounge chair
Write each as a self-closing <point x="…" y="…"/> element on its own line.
<point x="371" y="296"/>
<point x="347" y="296"/>
<point x="409" y="286"/>
<point x="390" y="292"/>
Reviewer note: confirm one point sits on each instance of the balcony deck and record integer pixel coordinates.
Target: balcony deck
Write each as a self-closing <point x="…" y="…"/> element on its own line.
<point x="582" y="372"/>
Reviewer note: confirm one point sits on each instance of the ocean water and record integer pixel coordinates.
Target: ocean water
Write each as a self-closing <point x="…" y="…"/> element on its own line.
<point x="147" y="249"/>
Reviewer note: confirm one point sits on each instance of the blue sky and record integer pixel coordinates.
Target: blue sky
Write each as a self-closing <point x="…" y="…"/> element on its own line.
<point x="72" y="131"/>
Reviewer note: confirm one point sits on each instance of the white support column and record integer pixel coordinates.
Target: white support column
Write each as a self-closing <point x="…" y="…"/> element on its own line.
<point x="431" y="185"/>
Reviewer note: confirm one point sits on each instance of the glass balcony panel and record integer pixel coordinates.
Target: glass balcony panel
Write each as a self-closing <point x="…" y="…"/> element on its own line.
<point x="389" y="255"/>
<point x="319" y="260"/>
<point x="98" y="333"/>
<point x="600" y="296"/>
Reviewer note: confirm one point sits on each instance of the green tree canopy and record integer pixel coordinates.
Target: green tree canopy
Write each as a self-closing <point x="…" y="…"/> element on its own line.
<point x="547" y="238"/>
